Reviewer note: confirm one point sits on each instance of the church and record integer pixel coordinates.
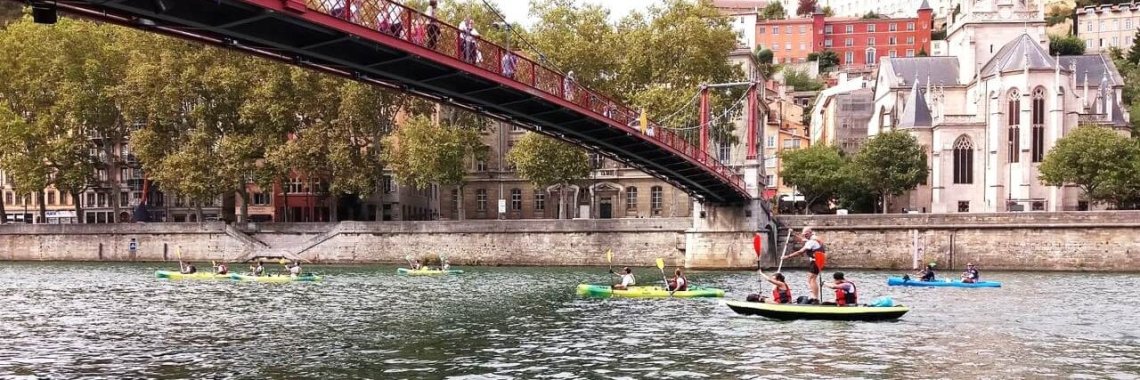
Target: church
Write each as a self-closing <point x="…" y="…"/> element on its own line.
<point x="989" y="110"/>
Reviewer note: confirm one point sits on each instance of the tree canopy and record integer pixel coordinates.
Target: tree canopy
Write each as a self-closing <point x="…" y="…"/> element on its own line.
<point x="1105" y="165"/>
<point x="816" y="172"/>
<point x="545" y="161"/>
<point x="774" y="11"/>
<point x="806" y="7"/>
<point x="891" y="163"/>
<point x="1066" y="45"/>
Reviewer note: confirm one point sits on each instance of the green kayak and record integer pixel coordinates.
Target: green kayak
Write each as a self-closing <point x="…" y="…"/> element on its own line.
<point x="606" y="291"/>
<point x="304" y="277"/>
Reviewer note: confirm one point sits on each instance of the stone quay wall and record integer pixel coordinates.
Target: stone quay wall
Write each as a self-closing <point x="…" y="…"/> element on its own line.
<point x="1082" y="241"/>
<point x="1077" y="241"/>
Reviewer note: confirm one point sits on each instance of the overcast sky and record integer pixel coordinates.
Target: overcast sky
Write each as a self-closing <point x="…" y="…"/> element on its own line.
<point x="519" y="10"/>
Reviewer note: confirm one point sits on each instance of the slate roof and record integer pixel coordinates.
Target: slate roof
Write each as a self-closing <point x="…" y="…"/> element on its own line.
<point x="1017" y="55"/>
<point x="940" y="70"/>
<point x="915" y="113"/>
<point x="925" y="5"/>
<point x="1095" y="65"/>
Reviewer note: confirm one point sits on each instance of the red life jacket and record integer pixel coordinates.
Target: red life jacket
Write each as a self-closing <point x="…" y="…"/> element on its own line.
<point x="680" y="284"/>
<point x="782" y="297"/>
<point x="843" y="298"/>
<point x="222" y="269"/>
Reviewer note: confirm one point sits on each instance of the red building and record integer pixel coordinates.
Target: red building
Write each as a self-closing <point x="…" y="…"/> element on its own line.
<point x="857" y="42"/>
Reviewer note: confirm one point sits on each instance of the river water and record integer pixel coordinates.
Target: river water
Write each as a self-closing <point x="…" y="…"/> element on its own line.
<point x="118" y="321"/>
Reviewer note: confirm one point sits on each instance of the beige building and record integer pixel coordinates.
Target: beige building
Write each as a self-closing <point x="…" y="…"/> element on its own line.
<point x="1106" y="26"/>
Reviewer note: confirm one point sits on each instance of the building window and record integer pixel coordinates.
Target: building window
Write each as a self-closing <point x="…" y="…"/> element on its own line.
<point x="871" y="41"/>
<point x="850" y="29"/>
<point x="91" y="200"/>
<point x="480" y="166"/>
<point x="760" y="30"/>
<point x="788" y="30"/>
<point x="1102" y="25"/>
<point x="910" y="40"/>
<point x="869" y="57"/>
<point x="848" y="58"/>
<point x="803" y="29"/>
<point x="910" y="26"/>
<point x="893" y="27"/>
<point x="963" y="206"/>
<point x="50" y="201"/>
<point x="827" y="43"/>
<point x="909" y="52"/>
<point x="1128" y="24"/>
<point x="631" y="198"/>
<point x="827" y="29"/>
<point x="539" y="200"/>
<point x="124" y="199"/>
<point x="655" y="198"/>
<point x="849" y="42"/>
<point x="963" y="160"/>
<point x="792" y="143"/>
<point x="724" y="151"/>
<point x="1013" y="115"/>
<point x="1038" y="118"/>
<point x="9" y="198"/>
<point x="870" y="28"/>
<point x="803" y="46"/>
<point x="260" y="199"/>
<point x="771" y="141"/>
<point x="481" y="199"/>
<point x="892" y="40"/>
<point x="516" y="200"/>
<point x="788" y="46"/>
<point x="894" y="53"/>
<point x="769" y="181"/>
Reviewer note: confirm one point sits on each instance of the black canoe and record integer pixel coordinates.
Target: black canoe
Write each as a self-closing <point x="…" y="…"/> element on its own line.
<point x="825" y="312"/>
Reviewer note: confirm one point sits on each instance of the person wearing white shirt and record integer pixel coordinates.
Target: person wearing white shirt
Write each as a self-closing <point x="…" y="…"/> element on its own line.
<point x="627" y="279"/>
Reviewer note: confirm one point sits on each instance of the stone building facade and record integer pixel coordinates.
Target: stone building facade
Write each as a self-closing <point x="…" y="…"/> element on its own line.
<point x="1106" y="26"/>
<point x="989" y="112"/>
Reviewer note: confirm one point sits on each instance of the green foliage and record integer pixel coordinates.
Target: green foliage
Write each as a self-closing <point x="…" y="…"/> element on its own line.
<point x="816" y="172"/>
<point x="806" y="8"/>
<point x="891" y="163"/>
<point x="763" y="55"/>
<point x="1066" y="45"/>
<point x="1134" y="51"/>
<point x="827" y="59"/>
<point x="774" y="11"/>
<point x="545" y="161"/>
<point x="1105" y="165"/>
<point x="871" y="15"/>
<point x="422" y="152"/>
<point x="922" y="52"/>
<point x="938" y="35"/>
<point x="1057" y="15"/>
<point x="828" y="12"/>
<point x="801" y="81"/>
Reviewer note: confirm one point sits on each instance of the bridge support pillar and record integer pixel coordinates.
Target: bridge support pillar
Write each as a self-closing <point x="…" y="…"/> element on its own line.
<point x="722" y="235"/>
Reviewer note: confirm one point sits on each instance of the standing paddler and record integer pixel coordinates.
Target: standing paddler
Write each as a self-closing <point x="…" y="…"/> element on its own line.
<point x="815" y="252"/>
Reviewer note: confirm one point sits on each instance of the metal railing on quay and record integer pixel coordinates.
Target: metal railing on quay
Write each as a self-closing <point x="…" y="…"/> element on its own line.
<point x="410" y="25"/>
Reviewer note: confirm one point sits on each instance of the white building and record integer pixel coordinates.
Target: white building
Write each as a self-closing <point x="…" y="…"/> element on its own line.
<point x="1105" y="26"/>
<point x="989" y="111"/>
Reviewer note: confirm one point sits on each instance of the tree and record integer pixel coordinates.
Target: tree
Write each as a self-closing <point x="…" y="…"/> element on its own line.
<point x="801" y="81"/>
<point x="765" y="58"/>
<point x="827" y="59"/>
<point x="871" y="15"/>
<point x="1105" y="165"/>
<point x="1066" y="45"/>
<point x="828" y="12"/>
<point x="545" y="162"/>
<point x="1134" y="51"/>
<point x="422" y="152"/>
<point x="806" y="8"/>
<point x="891" y="163"/>
<point x="816" y="172"/>
<point x="774" y="11"/>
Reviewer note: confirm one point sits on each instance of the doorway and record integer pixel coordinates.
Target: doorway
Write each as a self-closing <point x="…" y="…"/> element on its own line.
<point x="606" y="208"/>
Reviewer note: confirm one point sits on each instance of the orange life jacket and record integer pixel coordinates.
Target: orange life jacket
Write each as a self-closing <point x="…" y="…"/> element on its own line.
<point x="844" y="298"/>
<point x="782" y="297"/>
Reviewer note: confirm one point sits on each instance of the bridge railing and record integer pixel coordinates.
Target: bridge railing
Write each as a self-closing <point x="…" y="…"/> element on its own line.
<point x="408" y="24"/>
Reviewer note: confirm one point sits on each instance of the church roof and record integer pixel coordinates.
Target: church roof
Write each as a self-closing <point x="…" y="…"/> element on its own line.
<point x="1021" y="53"/>
<point x="938" y="70"/>
<point x="1095" y="65"/>
<point x="925" y="5"/>
<point x="915" y="113"/>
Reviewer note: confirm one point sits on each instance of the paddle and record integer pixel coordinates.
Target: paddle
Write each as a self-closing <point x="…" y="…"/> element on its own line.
<point x="756" y="245"/>
<point x="661" y="267"/>
<point x="610" y="261"/>
<point x="785" y="251"/>
<point x="181" y="267"/>
<point x="411" y="265"/>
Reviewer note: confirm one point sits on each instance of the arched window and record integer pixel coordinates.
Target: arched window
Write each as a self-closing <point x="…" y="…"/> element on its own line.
<point x="1038" y="147"/>
<point x="631" y="198"/>
<point x="1013" y="115"/>
<point x="963" y="160"/>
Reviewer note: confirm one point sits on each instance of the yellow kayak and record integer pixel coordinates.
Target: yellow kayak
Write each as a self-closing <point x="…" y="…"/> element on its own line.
<point x="306" y="277"/>
<point x="427" y="272"/>
<point x="606" y="291"/>
<point x="173" y="275"/>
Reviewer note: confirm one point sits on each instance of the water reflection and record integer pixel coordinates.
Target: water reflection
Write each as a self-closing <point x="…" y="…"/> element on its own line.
<point x="116" y="320"/>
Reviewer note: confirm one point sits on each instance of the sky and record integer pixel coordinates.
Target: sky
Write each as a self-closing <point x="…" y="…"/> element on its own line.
<point x="519" y="10"/>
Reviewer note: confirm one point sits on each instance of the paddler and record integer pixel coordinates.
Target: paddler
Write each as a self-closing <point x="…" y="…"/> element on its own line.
<point x="679" y="283"/>
<point x="845" y="292"/>
<point x="221" y="268"/>
<point x="781" y="293"/>
<point x="814" y="250"/>
<point x="295" y="270"/>
<point x="927" y="273"/>
<point x="627" y="279"/>
<point x="257" y="269"/>
<point x="446" y="265"/>
<point x="186" y="268"/>
<point x="971" y="274"/>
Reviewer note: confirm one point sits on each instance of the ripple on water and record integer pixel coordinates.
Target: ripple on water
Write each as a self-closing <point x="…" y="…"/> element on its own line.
<point x="117" y="321"/>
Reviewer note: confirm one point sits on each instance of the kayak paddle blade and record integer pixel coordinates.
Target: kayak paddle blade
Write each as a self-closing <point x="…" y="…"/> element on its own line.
<point x="609" y="256"/>
<point x="757" y="244"/>
<point x="660" y="263"/>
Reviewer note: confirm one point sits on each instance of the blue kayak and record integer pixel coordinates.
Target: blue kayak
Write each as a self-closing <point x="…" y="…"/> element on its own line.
<point x="899" y="281"/>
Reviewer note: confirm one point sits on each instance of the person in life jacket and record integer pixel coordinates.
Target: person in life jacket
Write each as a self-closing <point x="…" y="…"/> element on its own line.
<point x="845" y="292"/>
<point x="781" y="293"/>
<point x="679" y="283"/>
<point x="295" y="270"/>
<point x="971" y="274"/>
<point x="814" y="250"/>
<point x="186" y="268"/>
<point x="257" y="269"/>
<point x="927" y="272"/>
<point x="627" y="279"/>
<point x="222" y="269"/>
